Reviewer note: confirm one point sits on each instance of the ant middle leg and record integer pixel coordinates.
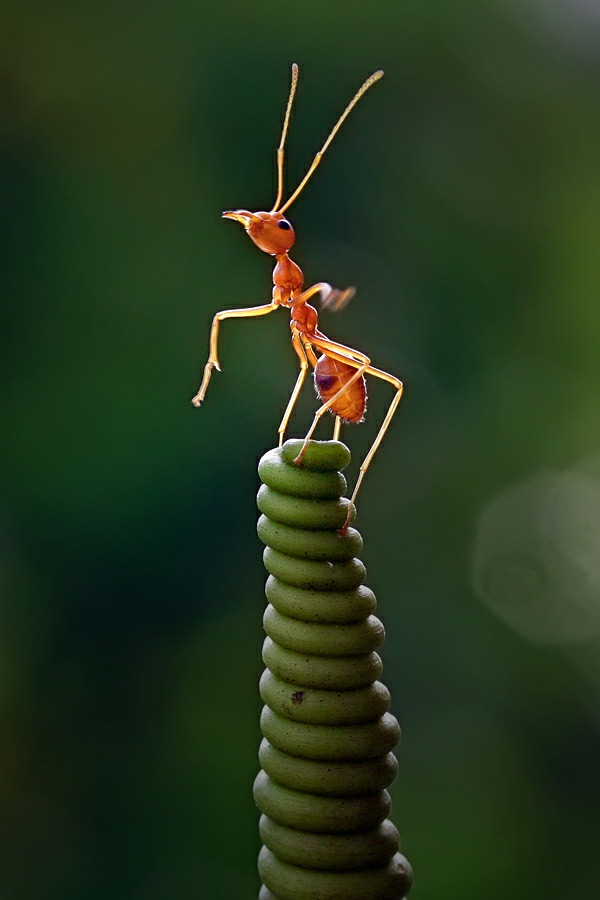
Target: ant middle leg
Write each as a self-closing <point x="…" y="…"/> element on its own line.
<point x="301" y="351"/>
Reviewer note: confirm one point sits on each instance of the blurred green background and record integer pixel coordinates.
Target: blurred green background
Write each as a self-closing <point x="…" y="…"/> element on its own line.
<point x="463" y="200"/>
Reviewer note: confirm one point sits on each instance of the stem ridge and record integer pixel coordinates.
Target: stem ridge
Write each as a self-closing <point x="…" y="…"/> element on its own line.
<point x="327" y="753"/>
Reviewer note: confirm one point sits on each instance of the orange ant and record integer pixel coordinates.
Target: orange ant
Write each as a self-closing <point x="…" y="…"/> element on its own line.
<point x="340" y="371"/>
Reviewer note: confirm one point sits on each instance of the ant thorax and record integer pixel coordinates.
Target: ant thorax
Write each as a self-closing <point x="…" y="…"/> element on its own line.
<point x="287" y="279"/>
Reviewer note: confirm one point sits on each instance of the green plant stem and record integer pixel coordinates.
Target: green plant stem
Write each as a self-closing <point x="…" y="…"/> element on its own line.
<point x="326" y="755"/>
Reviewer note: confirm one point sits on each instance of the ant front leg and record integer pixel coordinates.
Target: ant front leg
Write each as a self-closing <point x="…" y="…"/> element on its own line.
<point x="331" y="298"/>
<point x="213" y="359"/>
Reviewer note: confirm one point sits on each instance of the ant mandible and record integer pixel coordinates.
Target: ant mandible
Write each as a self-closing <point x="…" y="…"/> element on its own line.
<point x="339" y="371"/>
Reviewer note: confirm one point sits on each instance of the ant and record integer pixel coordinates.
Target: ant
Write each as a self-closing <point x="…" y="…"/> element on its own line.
<point x="339" y="371"/>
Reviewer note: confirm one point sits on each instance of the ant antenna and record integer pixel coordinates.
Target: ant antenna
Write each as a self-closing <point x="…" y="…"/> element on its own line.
<point x="280" y="149"/>
<point x="362" y="90"/>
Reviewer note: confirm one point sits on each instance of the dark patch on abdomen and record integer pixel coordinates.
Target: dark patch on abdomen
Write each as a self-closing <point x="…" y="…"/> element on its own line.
<point x="324" y="383"/>
<point x="330" y="377"/>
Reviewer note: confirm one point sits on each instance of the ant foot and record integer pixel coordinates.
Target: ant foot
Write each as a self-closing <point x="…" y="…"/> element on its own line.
<point x="298" y="460"/>
<point x="197" y="400"/>
<point x="344" y="529"/>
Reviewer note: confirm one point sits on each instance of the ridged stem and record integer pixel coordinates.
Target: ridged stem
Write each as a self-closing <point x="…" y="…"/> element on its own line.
<point x="326" y="755"/>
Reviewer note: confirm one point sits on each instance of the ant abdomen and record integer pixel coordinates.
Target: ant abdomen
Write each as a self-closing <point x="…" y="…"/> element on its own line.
<point x="331" y="376"/>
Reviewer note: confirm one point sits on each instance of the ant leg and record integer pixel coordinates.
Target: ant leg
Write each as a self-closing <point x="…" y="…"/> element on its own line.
<point x="347" y="355"/>
<point x="310" y="353"/>
<point x="337" y="428"/>
<point x="299" y="348"/>
<point x="391" y="379"/>
<point x="213" y="359"/>
<point x="361" y="369"/>
<point x="331" y="298"/>
<point x="342" y="353"/>
<point x="321" y="287"/>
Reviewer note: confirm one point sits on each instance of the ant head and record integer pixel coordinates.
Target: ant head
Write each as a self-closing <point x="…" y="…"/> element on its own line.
<point x="270" y="231"/>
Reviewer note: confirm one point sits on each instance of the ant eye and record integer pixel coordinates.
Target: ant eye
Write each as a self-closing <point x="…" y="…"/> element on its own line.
<point x="283" y="224"/>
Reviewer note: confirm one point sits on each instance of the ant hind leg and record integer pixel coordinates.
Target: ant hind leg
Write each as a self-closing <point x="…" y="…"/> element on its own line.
<point x="391" y="379"/>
